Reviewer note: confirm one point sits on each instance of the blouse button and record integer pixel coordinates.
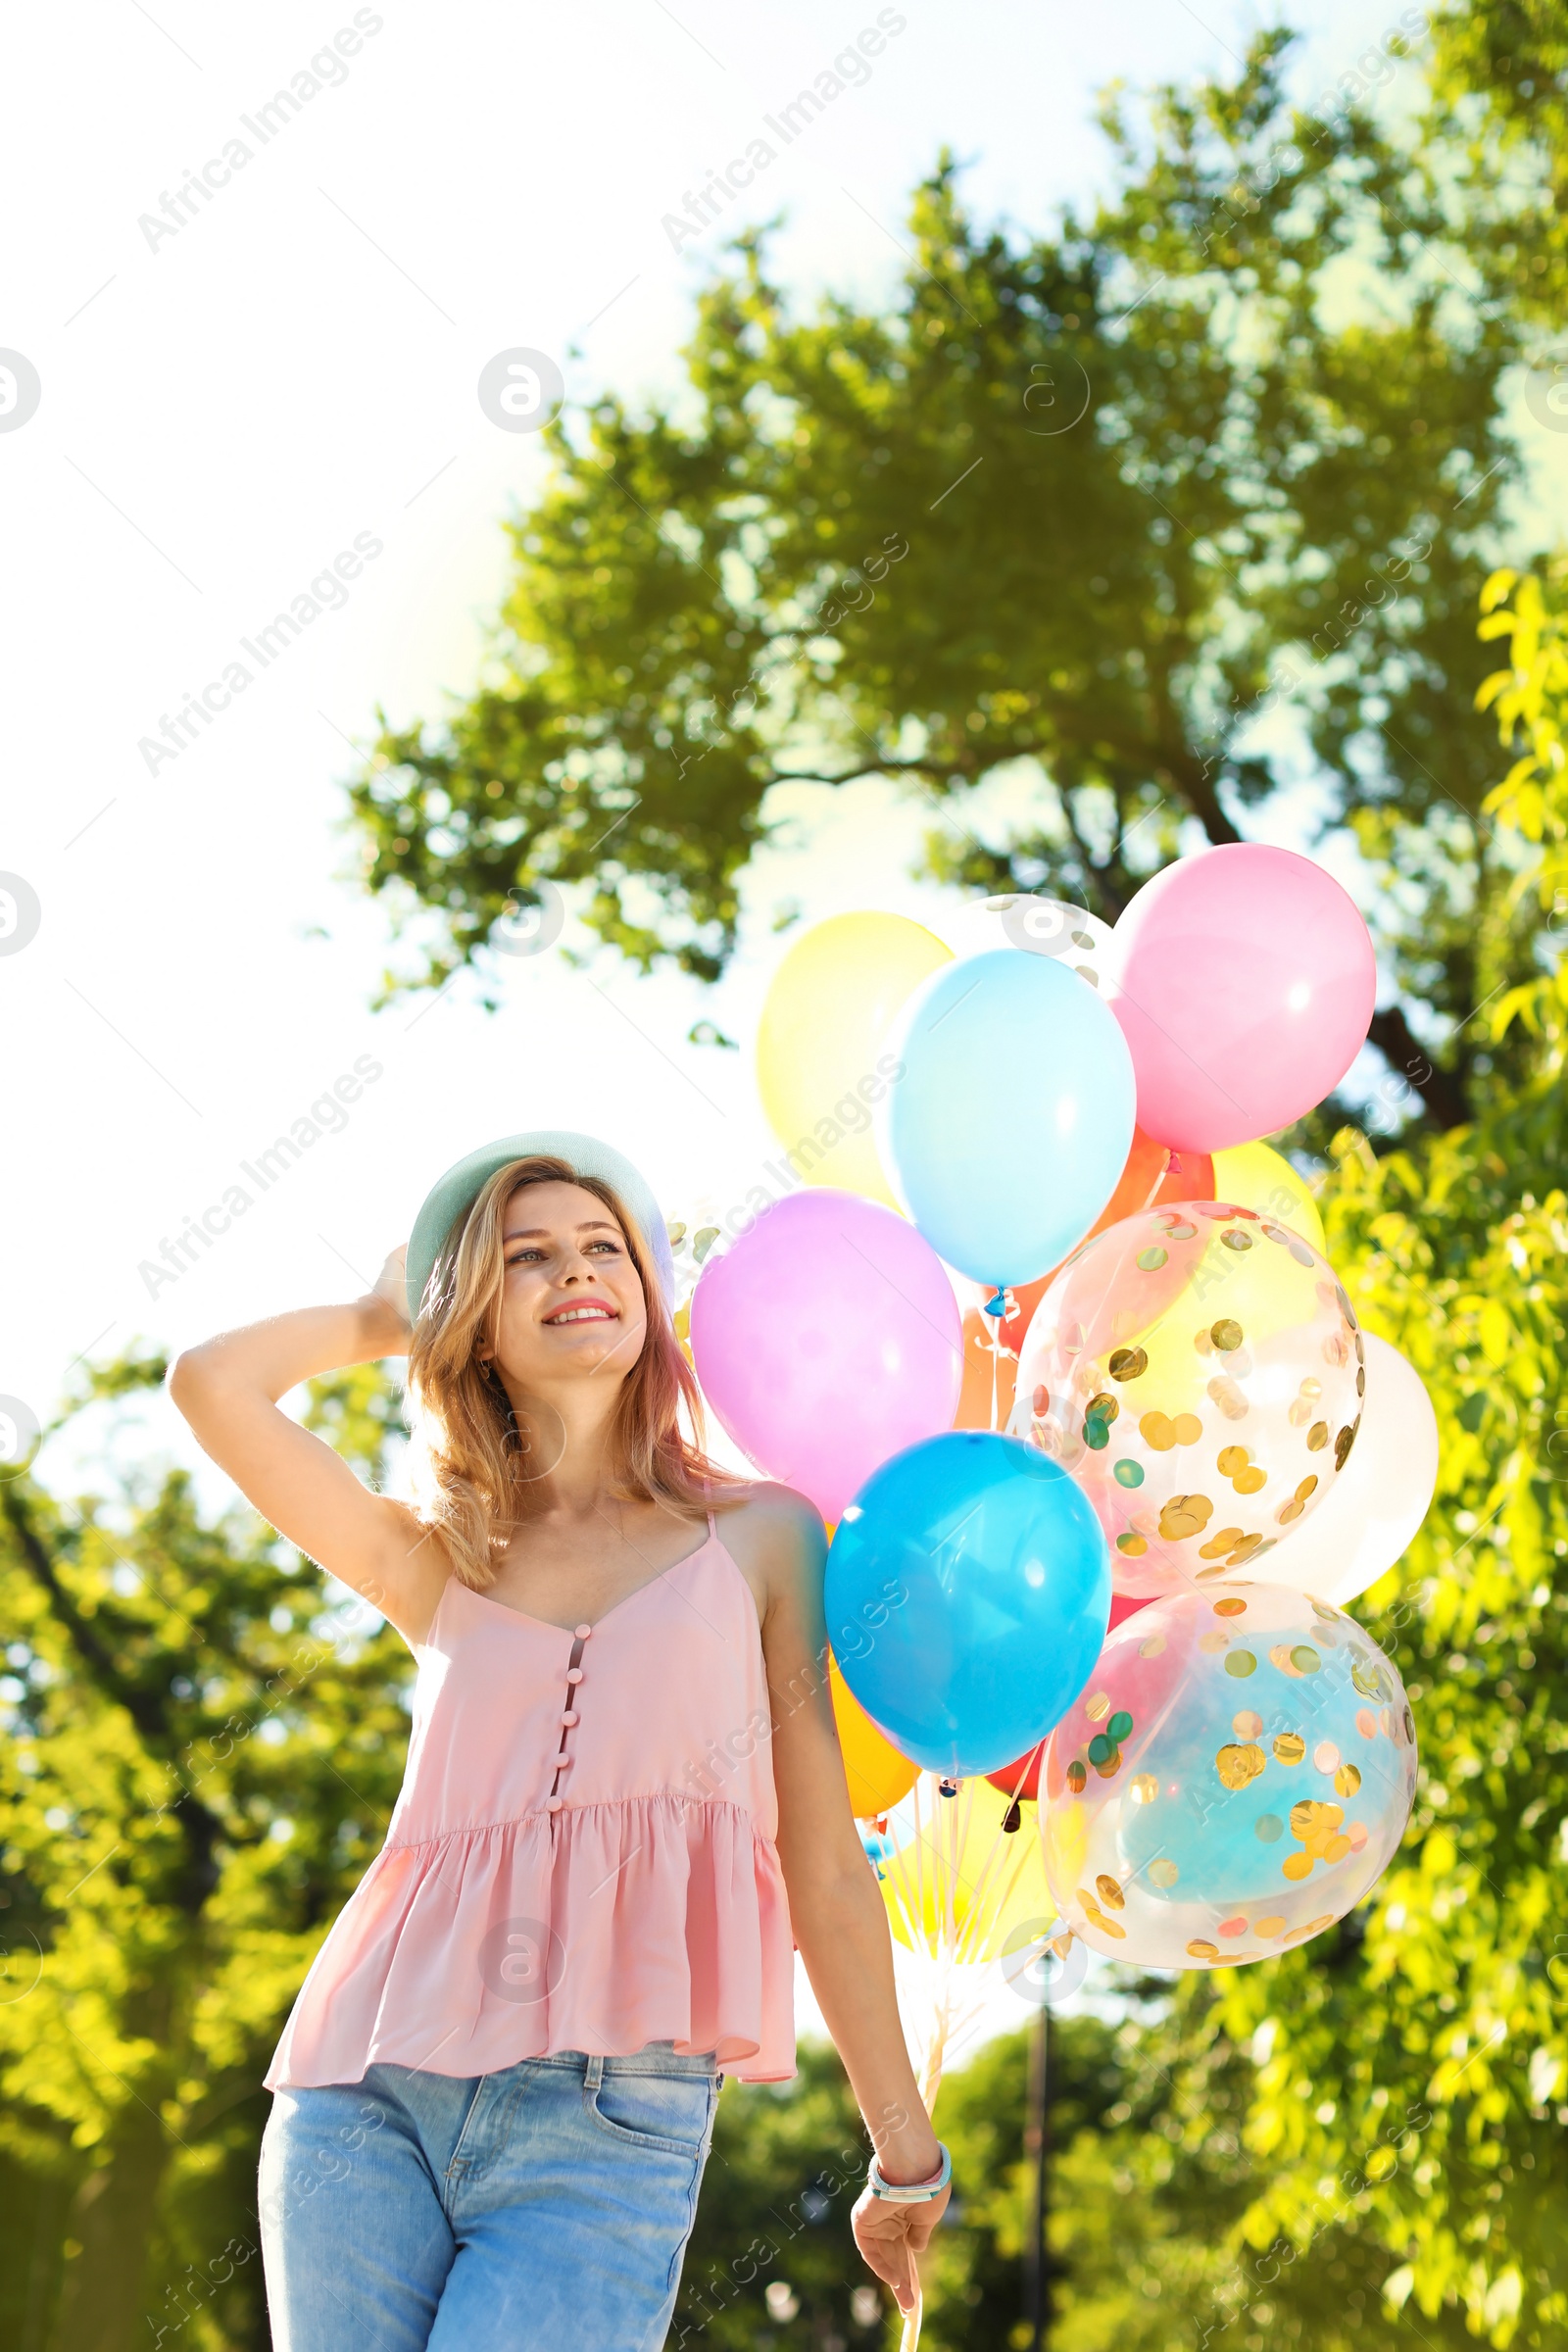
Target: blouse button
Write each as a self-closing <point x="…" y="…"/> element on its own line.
<point x="554" y="1804"/>
<point x="575" y="1673"/>
<point x="569" y="1717"/>
<point x="583" y="1632"/>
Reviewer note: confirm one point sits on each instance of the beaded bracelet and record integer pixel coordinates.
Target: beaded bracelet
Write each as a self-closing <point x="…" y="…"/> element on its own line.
<point x="920" y="2193"/>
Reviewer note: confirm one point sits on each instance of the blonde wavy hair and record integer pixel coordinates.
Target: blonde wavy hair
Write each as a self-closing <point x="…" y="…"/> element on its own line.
<point x="477" y="1472"/>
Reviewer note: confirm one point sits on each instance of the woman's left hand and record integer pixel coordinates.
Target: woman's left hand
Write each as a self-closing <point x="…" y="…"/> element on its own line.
<point x="890" y="2236"/>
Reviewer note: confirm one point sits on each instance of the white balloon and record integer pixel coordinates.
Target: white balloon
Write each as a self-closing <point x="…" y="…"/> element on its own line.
<point x="1375" y="1506"/>
<point x="1055" y="927"/>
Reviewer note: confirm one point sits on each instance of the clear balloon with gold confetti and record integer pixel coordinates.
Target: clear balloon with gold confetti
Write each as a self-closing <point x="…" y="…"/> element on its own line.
<point x="1236" y="1777"/>
<point x="1198" y="1370"/>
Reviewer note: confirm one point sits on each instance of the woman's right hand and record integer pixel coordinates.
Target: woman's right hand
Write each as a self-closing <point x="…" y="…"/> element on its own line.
<point x="892" y="2237"/>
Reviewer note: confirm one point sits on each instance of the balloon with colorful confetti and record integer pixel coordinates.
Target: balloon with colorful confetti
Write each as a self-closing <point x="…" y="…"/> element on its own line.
<point x="1235" y="1776"/>
<point x="1198" y="1370"/>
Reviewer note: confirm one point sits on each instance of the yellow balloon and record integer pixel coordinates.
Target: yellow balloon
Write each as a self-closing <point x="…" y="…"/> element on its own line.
<point x="821" y="1045"/>
<point x="1254" y="1176"/>
<point x="966" y="1884"/>
<point x="877" y="1774"/>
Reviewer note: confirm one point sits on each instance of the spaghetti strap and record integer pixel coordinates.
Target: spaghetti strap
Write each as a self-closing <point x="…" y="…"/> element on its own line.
<point x="713" y="1527"/>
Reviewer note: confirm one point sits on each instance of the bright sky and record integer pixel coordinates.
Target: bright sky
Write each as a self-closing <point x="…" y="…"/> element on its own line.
<point x="292" y="374"/>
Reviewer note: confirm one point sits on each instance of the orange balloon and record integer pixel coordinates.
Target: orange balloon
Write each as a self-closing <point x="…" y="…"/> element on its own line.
<point x="877" y="1774"/>
<point x="974" y="1397"/>
<point x="1151" y="1177"/>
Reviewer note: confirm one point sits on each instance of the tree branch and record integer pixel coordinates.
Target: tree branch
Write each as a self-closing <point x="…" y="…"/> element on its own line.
<point x="1442" y="1093"/>
<point x="145" y="1709"/>
<point x="1193" y="779"/>
<point x="201" y="1827"/>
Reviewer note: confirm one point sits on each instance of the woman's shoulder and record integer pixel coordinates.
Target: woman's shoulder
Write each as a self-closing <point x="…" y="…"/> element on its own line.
<point x="772" y="1532"/>
<point x="763" y="1502"/>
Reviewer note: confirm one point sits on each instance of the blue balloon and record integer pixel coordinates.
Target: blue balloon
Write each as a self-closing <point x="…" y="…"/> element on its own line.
<point x="1009" y="1130"/>
<point x="968" y="1592"/>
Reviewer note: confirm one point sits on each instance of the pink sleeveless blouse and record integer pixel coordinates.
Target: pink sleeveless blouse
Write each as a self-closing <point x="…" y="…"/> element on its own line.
<point x="582" y="1856"/>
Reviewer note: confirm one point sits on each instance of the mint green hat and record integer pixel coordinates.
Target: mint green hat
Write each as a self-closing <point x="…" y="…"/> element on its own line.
<point x="449" y="1202"/>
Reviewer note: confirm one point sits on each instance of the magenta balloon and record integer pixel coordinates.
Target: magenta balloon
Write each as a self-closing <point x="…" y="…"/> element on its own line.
<point x="1244" y="980"/>
<point x="827" y="1339"/>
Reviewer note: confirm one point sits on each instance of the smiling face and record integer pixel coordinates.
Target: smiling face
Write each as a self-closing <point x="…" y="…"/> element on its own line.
<point x="571" y="1300"/>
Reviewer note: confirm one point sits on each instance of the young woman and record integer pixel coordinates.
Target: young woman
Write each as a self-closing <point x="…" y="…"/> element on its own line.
<point x="495" y="2095"/>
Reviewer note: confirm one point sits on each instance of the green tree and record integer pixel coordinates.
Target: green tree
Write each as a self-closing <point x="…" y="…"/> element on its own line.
<point x="1412" y="2066"/>
<point x="1148" y="2183"/>
<point x="1503" y="66"/>
<point x="200" y="1754"/>
<point x="1046" y="538"/>
<point x="1139" y="2193"/>
<point x="1119" y="2198"/>
<point x="788" y="2161"/>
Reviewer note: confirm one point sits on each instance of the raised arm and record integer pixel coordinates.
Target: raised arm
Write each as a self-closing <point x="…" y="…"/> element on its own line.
<point x="839" y="1918"/>
<point x="227" y="1390"/>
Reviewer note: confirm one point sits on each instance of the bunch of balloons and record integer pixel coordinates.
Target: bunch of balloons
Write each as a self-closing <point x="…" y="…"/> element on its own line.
<point x="1094" y="1534"/>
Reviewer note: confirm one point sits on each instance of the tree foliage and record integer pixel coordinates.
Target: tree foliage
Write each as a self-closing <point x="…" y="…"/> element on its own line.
<point x="199" y="1758"/>
<point x="1413" y="2076"/>
<point x="788" y="2161"/>
<point x="1413" y="2067"/>
<point x="1503" y="65"/>
<point x="1051" y="538"/>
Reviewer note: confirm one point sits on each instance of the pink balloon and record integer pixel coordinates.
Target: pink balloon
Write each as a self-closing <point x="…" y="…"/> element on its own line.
<point x="827" y="1339"/>
<point x="1244" y="980"/>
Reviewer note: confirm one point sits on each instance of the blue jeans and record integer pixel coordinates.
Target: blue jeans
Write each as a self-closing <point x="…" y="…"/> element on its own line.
<point x="544" y="2207"/>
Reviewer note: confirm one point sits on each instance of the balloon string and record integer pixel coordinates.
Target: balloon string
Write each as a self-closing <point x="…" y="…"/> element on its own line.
<point x="1004" y="1857"/>
<point x="921" y="1834"/>
<point x="1164" y="1170"/>
<point x="948" y="1936"/>
<point x="995" y="1314"/>
<point x="949" y="1818"/>
<point x="940" y="2018"/>
<point x="943" y="1947"/>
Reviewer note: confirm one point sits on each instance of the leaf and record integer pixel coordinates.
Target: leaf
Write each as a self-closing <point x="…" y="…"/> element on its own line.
<point x="1398" y="2284"/>
<point x="1439" y="1855"/>
<point x="1496" y="1332"/>
<point x="1517" y="1005"/>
